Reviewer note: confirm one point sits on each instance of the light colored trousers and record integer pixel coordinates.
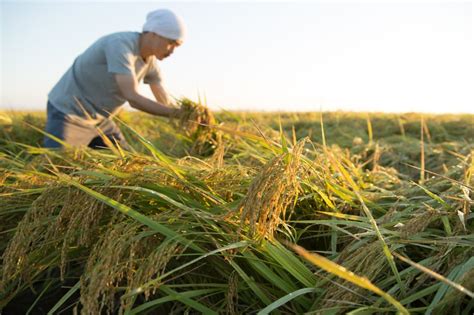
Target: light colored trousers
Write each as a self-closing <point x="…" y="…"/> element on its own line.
<point x="78" y="134"/>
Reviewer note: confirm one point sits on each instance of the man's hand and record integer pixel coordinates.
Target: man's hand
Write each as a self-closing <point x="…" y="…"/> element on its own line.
<point x="128" y="87"/>
<point x="177" y="113"/>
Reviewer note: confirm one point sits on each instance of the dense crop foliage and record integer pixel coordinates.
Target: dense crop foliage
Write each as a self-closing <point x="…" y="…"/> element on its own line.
<point x="282" y="213"/>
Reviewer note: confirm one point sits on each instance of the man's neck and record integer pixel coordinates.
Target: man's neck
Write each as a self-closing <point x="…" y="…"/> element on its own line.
<point x="142" y="47"/>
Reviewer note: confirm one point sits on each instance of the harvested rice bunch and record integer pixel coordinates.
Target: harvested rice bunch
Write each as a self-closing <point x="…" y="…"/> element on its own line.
<point x="194" y="119"/>
<point x="193" y="115"/>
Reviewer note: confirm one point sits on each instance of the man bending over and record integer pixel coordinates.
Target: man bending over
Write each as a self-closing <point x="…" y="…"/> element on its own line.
<point x="105" y="76"/>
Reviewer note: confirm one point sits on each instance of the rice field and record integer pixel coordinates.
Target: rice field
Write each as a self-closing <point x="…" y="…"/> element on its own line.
<point x="244" y="213"/>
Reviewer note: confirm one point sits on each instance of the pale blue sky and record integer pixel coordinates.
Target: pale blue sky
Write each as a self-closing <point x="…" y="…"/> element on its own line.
<point x="365" y="56"/>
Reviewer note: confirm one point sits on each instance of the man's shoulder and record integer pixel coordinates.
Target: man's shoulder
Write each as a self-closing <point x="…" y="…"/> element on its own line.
<point x="120" y="38"/>
<point x="123" y="35"/>
<point x="116" y="44"/>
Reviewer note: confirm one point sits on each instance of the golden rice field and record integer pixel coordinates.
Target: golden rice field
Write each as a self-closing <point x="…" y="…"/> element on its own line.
<point x="261" y="213"/>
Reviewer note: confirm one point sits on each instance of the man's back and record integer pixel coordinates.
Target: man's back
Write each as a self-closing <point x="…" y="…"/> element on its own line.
<point x="89" y="84"/>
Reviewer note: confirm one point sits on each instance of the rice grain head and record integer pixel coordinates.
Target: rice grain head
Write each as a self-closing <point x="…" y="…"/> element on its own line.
<point x="272" y="193"/>
<point x="368" y="261"/>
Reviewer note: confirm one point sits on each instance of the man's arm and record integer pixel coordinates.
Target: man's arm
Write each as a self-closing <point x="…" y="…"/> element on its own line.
<point x="128" y="87"/>
<point x="160" y="94"/>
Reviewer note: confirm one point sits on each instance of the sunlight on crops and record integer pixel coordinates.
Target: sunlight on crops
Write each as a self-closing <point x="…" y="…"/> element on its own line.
<point x="260" y="212"/>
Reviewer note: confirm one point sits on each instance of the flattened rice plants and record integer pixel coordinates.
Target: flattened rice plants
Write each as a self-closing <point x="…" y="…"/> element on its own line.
<point x="259" y="224"/>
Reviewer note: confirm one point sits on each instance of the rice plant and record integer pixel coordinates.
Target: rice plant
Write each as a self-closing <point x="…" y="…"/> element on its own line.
<point x="258" y="224"/>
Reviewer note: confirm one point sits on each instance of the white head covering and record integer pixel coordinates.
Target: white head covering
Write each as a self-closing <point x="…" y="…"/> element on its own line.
<point x="165" y="23"/>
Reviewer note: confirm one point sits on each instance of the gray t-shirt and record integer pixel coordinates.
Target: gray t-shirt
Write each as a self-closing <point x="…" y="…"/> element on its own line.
<point x="89" y="84"/>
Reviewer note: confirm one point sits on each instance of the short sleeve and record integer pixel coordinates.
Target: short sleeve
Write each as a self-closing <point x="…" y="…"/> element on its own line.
<point x="153" y="74"/>
<point x="120" y="57"/>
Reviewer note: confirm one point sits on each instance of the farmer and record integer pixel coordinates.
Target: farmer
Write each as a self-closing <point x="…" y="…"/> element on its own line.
<point x="105" y="76"/>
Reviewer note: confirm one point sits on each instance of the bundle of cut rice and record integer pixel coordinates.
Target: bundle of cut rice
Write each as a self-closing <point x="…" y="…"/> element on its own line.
<point x="196" y="121"/>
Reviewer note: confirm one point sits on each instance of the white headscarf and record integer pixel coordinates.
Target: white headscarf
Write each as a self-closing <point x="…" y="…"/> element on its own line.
<point x="165" y="23"/>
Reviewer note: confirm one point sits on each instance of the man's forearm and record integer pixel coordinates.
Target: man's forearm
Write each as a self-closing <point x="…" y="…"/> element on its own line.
<point x="160" y="94"/>
<point x="151" y="107"/>
<point x="128" y="86"/>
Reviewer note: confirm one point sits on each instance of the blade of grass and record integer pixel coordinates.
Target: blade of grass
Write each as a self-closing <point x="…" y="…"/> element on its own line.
<point x="369" y="129"/>
<point x="169" y="298"/>
<point x="188" y="301"/>
<point x="64" y="298"/>
<point x="323" y="135"/>
<point x="251" y="283"/>
<point x="291" y="263"/>
<point x="283" y="300"/>
<point x="39" y="297"/>
<point x="422" y="152"/>
<point x="262" y="268"/>
<point x="347" y="275"/>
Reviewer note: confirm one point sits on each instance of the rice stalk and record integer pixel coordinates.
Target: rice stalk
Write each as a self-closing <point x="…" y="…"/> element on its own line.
<point x="232" y="295"/>
<point x="369" y="130"/>
<point x="422" y="151"/>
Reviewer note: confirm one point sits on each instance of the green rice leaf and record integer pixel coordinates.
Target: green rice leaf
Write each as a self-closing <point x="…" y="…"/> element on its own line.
<point x="171" y="297"/>
<point x="64" y="298"/>
<point x="291" y="263"/>
<point x="251" y="283"/>
<point x="285" y="299"/>
<point x="188" y="301"/>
